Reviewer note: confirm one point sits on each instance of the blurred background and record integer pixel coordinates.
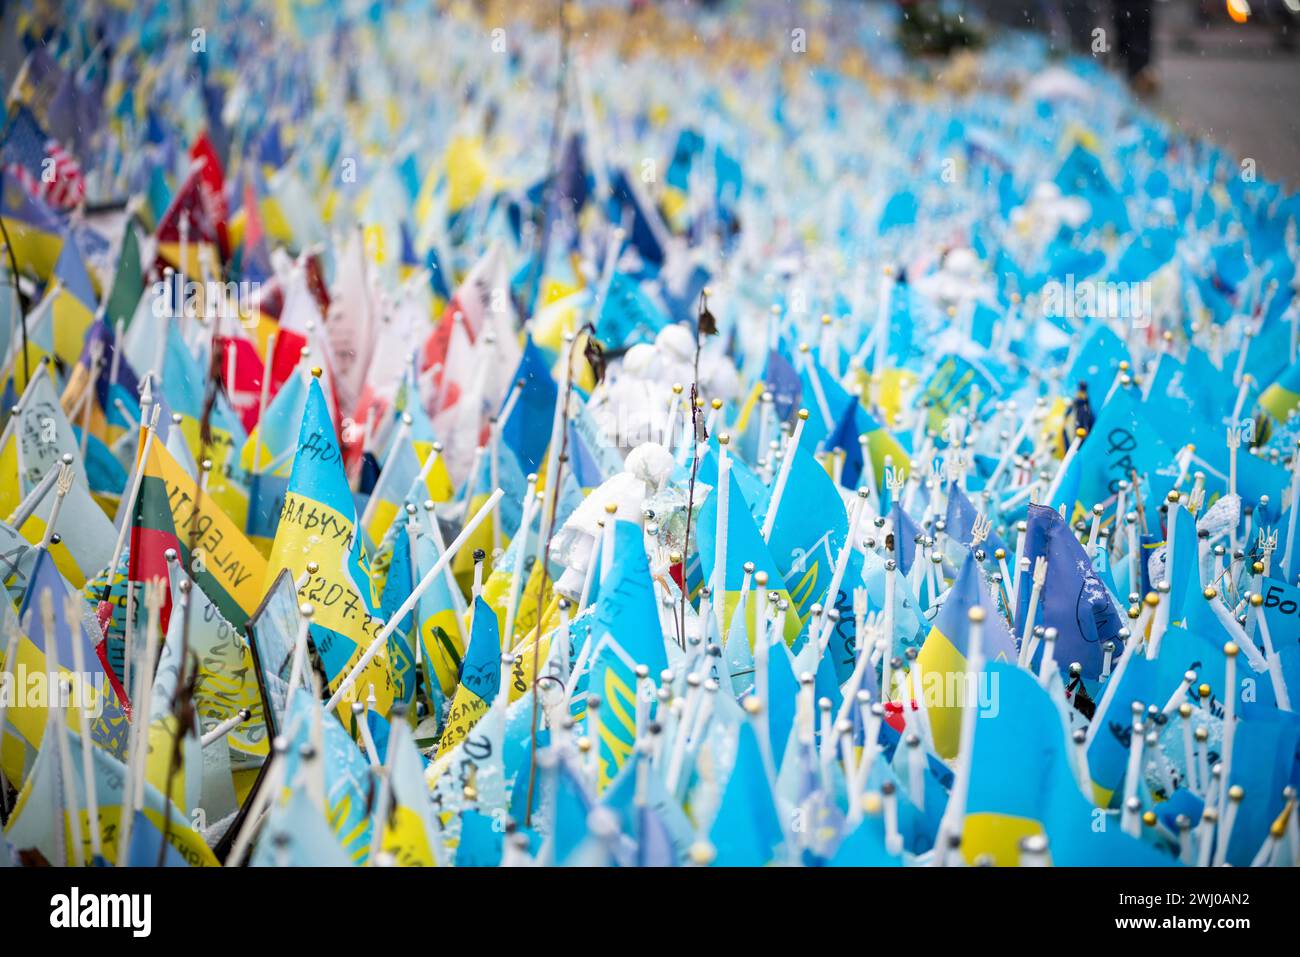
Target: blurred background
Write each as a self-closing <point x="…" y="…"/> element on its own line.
<point x="1227" y="69"/>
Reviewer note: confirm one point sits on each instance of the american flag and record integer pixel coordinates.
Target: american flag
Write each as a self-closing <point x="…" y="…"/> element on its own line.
<point x="41" y="165"/>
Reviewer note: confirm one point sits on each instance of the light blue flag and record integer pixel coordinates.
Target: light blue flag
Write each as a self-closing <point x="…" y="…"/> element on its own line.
<point x="1264" y="763"/>
<point x="628" y="315"/>
<point x="276" y="435"/>
<point x="781" y="700"/>
<point x="625" y="633"/>
<point x="1191" y="649"/>
<point x="825" y="400"/>
<point x="569" y="809"/>
<point x="347" y="773"/>
<point x="1108" y="751"/>
<point x="660" y="827"/>
<point x="1022" y="783"/>
<point x="481" y="840"/>
<point x="808" y="531"/>
<point x="747" y="830"/>
<point x="865" y="846"/>
<point x="296" y="834"/>
<point x="1122" y="441"/>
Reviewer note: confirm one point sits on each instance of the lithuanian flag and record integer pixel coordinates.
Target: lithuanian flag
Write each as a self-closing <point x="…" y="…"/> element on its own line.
<point x="171" y="513"/>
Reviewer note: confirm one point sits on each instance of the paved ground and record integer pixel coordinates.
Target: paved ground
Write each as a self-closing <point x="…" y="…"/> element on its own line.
<point x="1239" y="89"/>
<point x="1229" y="82"/>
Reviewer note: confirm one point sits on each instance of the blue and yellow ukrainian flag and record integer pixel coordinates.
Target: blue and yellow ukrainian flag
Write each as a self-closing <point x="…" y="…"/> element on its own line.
<point x="183" y="382"/>
<point x="398" y="585"/>
<point x="943" y="655"/>
<point x="348" y="780"/>
<point x="318" y="523"/>
<point x="1109" y="748"/>
<point x="1284" y="394"/>
<point x="808" y="531"/>
<point x="35" y="230"/>
<point x="412" y="834"/>
<point x="42" y="791"/>
<point x="75" y="302"/>
<point x="27" y="718"/>
<point x="1018" y="758"/>
<point x="744" y="544"/>
<point x="439" y="612"/>
<point x="625" y="633"/>
<point x="480" y="678"/>
<point x="438" y="484"/>
<point x="275" y="438"/>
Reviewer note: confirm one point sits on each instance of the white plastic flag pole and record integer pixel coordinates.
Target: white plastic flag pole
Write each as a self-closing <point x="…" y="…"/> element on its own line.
<point x="761" y="644"/>
<point x="516" y="573"/>
<point x="225" y="727"/>
<point x="87" y="757"/>
<point x="1229" y="818"/>
<point x="1130" y="821"/>
<point x="62" y="486"/>
<point x="1021" y="566"/>
<point x="1270" y="656"/>
<point x="1295" y="511"/>
<point x="34" y="498"/>
<point x="783" y="476"/>
<point x="955" y="813"/>
<point x="1131" y="644"/>
<point x="133" y="787"/>
<point x="842" y="560"/>
<point x="720" y="542"/>
<point x="1189" y="750"/>
<point x="129" y="509"/>
<point x="429" y="577"/>
<point x="57" y="726"/>
<point x="1230" y="651"/>
<point x="1070" y="453"/>
<point x="1035" y="593"/>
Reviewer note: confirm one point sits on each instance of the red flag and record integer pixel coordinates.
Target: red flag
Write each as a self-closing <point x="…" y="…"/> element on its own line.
<point x="245" y="388"/>
<point x="213" y="186"/>
<point x="189" y="206"/>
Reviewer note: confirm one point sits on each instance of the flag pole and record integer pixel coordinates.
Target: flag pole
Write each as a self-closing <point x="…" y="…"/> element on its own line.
<point x="720" y="534"/>
<point x="133" y="787"/>
<point x="783" y="476"/>
<point x="516" y="573"/>
<point x="955" y="813"/>
<point x="136" y="479"/>
<point x="32" y="501"/>
<point x="73" y="612"/>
